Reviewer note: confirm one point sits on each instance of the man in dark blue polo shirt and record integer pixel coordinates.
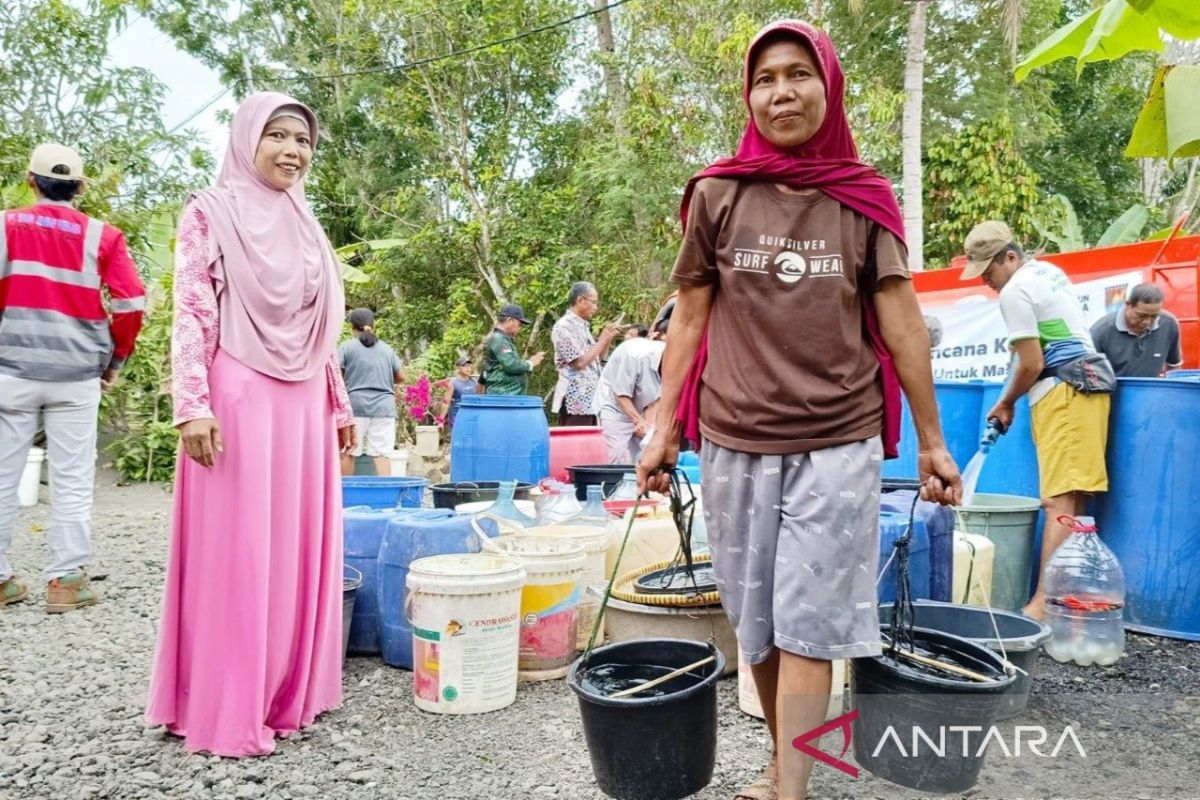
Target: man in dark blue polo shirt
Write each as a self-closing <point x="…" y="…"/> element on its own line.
<point x="1140" y="339"/>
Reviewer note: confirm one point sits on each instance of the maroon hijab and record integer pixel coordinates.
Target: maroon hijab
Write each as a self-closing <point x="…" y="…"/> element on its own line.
<point x="829" y="162"/>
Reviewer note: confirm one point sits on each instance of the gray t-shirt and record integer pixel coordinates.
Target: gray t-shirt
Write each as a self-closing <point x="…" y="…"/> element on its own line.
<point x="1135" y="356"/>
<point x="370" y="377"/>
<point x="631" y="372"/>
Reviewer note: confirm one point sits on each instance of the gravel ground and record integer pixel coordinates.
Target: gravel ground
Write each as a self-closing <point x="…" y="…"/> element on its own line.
<point x="72" y="691"/>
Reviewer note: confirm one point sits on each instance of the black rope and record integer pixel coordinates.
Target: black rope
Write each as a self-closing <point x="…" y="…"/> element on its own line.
<point x="903" y="615"/>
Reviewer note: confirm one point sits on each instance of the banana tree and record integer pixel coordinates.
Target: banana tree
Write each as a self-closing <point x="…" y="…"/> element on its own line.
<point x="1169" y="123"/>
<point x="355" y="254"/>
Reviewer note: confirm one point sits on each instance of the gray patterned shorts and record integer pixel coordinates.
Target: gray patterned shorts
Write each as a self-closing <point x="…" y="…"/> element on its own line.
<point x="795" y="543"/>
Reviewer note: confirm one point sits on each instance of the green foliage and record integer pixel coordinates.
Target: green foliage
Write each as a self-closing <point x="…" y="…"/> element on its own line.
<point x="138" y="408"/>
<point x="972" y="176"/>
<point x="57" y="84"/>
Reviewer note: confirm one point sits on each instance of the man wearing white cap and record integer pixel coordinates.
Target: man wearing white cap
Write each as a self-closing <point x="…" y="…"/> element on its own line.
<point x="60" y="346"/>
<point x="1057" y="366"/>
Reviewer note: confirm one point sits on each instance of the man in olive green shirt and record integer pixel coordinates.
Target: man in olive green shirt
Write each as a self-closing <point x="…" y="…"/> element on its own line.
<point x="504" y="371"/>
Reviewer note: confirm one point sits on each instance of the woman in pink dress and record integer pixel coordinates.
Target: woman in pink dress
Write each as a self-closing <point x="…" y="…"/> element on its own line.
<point x="251" y="637"/>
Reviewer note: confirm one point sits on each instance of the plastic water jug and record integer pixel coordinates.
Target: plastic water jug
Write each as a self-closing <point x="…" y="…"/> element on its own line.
<point x="974" y="555"/>
<point x="1085" y="598"/>
<point x="506" y="508"/>
<point x="593" y="512"/>
<point x="626" y="489"/>
<point x="557" y="503"/>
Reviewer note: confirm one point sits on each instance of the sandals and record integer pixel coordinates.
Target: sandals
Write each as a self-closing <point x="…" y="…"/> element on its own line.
<point x="765" y="787"/>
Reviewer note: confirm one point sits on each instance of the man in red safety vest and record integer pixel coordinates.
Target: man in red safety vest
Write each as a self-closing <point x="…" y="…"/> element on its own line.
<point x="60" y="346"/>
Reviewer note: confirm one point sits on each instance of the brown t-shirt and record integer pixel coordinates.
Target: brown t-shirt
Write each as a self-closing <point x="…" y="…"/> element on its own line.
<point x="789" y="367"/>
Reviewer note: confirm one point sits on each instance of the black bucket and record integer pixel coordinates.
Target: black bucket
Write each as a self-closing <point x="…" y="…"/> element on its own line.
<point x="902" y="698"/>
<point x="1023" y="638"/>
<point x="652" y="748"/>
<point x="448" y="495"/>
<point x="351" y="580"/>
<point x="606" y="475"/>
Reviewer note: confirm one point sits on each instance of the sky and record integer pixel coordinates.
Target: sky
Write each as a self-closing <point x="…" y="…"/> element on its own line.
<point x="189" y="83"/>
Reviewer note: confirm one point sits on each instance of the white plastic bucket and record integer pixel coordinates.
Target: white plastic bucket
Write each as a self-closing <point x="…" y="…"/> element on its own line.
<point x="399" y="462"/>
<point x="481" y="506"/>
<point x="749" y="703"/>
<point x="31" y="477"/>
<point x="549" y="603"/>
<point x="465" y="612"/>
<point x="595" y="551"/>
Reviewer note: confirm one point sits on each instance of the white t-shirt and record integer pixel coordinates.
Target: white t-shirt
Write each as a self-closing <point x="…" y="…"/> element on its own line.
<point x="1040" y="303"/>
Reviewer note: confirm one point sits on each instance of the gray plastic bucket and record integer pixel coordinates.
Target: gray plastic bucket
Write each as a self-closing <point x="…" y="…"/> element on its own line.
<point x="1010" y="522"/>
<point x="1022" y="636"/>
<point x="351" y="580"/>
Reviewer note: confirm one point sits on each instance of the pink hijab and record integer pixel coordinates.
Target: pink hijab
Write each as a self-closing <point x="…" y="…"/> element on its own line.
<point x="279" y="286"/>
<point x="829" y="162"/>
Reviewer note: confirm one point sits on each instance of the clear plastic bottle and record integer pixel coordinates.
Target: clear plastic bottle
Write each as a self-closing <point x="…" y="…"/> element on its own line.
<point x="505" y="508"/>
<point x="1085" y="599"/>
<point x="593" y="512"/>
<point x="559" y="503"/>
<point x="626" y="489"/>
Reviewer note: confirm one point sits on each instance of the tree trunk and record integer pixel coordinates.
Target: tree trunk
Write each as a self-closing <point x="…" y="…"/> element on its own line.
<point x="914" y="98"/>
<point x="612" y="78"/>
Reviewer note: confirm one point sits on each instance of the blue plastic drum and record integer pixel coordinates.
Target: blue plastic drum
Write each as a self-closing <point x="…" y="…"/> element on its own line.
<point x="411" y="535"/>
<point x="1148" y="515"/>
<point x="500" y="438"/>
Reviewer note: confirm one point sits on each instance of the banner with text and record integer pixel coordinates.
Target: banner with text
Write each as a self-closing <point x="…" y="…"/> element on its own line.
<point x="974" y="341"/>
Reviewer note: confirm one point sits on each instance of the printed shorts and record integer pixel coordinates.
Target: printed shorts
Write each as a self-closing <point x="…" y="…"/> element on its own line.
<point x="795" y="542"/>
<point x="376" y="436"/>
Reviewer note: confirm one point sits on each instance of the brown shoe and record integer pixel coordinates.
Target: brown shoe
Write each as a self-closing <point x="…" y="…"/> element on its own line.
<point x="12" y="591"/>
<point x="69" y="592"/>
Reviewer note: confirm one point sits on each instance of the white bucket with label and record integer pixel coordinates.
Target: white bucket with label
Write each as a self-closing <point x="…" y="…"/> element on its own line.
<point x="465" y="612"/>
<point x="749" y="703"/>
<point x="31" y="477"/>
<point x="549" y="603"/>
<point x="595" y="550"/>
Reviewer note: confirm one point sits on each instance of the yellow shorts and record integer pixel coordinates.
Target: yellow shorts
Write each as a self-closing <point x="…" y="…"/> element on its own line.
<point x="1070" y="430"/>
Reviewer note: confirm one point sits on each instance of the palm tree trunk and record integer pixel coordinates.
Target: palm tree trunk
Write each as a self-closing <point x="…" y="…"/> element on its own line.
<point x="914" y="98"/>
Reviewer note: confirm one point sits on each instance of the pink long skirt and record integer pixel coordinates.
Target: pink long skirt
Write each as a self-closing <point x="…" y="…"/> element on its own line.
<point x="250" y="645"/>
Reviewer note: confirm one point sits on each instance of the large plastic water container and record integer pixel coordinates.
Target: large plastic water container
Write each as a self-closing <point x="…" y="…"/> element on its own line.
<point x="383" y="491"/>
<point x="1011" y="523"/>
<point x="1148" y="516"/>
<point x="411" y="535"/>
<point x="576" y="444"/>
<point x="1085" y="596"/>
<point x="958" y="406"/>
<point x="1183" y="375"/>
<point x="891" y="528"/>
<point x="939" y="525"/>
<point x="363" y="530"/>
<point x="500" y="438"/>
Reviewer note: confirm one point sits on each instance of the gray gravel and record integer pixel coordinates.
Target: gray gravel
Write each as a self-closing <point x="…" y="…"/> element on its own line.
<point x="72" y="692"/>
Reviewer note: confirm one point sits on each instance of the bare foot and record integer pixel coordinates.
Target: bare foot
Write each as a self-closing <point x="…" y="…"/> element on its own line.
<point x="1035" y="610"/>
<point x="765" y="787"/>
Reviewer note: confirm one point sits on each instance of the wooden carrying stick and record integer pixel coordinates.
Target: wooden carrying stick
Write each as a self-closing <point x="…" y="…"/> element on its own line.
<point x="933" y="662"/>
<point x="662" y="678"/>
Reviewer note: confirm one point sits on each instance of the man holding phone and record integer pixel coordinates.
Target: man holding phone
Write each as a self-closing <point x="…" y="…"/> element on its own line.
<point x="577" y="356"/>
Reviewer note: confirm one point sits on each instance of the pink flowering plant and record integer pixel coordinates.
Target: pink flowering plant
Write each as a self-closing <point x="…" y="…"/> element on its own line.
<point x="420" y="407"/>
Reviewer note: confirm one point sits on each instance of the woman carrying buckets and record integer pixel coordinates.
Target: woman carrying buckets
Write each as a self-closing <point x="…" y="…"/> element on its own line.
<point x="795" y="326"/>
<point x="250" y="643"/>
